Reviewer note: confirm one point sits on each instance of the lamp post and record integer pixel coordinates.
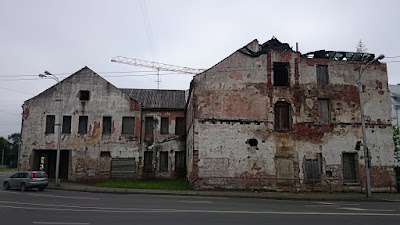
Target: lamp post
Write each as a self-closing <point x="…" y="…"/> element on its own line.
<point x="60" y="99"/>
<point x="367" y="157"/>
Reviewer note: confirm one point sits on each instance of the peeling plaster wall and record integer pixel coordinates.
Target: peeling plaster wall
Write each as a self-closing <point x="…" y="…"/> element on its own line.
<point x="233" y="102"/>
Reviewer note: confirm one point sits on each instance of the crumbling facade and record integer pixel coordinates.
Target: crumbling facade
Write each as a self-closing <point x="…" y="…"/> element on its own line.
<point x="107" y="133"/>
<point x="267" y="117"/>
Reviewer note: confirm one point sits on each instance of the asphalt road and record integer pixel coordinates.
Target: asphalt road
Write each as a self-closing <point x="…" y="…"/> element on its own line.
<point x="81" y="208"/>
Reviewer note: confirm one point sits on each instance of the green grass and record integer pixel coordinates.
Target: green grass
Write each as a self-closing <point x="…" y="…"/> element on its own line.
<point x="8" y="169"/>
<point x="177" y="184"/>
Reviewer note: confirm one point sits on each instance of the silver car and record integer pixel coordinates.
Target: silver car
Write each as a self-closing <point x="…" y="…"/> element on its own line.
<point x="25" y="180"/>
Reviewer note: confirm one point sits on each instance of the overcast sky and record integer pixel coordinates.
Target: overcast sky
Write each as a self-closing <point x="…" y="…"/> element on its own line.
<point x="63" y="37"/>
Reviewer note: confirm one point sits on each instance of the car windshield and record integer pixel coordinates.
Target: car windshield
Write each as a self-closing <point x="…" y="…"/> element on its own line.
<point x="39" y="175"/>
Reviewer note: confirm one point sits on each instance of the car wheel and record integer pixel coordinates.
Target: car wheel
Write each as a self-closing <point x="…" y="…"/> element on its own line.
<point x="41" y="189"/>
<point x="6" y="185"/>
<point x="23" y="187"/>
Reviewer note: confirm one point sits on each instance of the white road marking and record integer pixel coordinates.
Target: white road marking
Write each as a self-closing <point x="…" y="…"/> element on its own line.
<point x="57" y="196"/>
<point x="326" y="203"/>
<point x="207" y="211"/>
<point x="187" y="201"/>
<point x="60" y="223"/>
<point x="350" y="204"/>
<point x="321" y="205"/>
<point x="377" y="210"/>
<point x="10" y="192"/>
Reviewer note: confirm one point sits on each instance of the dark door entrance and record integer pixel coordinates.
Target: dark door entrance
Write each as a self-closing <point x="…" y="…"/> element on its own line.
<point x="349" y="168"/>
<point x="50" y="162"/>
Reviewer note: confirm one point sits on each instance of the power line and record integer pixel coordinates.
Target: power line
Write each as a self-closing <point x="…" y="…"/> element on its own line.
<point x="390" y="57"/>
<point x="10" y="113"/>
<point x="15" y="90"/>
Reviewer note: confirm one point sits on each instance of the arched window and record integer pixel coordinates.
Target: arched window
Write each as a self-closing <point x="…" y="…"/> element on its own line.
<point x="282" y="116"/>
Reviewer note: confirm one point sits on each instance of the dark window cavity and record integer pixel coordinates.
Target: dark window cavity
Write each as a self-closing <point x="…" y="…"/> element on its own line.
<point x="312" y="171"/>
<point x="128" y="125"/>
<point x="323" y="110"/>
<point x="105" y="154"/>
<point x="349" y="167"/>
<point x="282" y="116"/>
<point x="106" y="125"/>
<point x="322" y="75"/>
<point x="164" y="125"/>
<point x="179" y="126"/>
<point x="84" y="95"/>
<point x="180" y="163"/>
<point x="66" y="125"/>
<point x="83" y="124"/>
<point x="163" y="161"/>
<point x="253" y="142"/>
<point x="50" y="122"/>
<point x="149" y="125"/>
<point x="281" y="74"/>
<point x="148" y="161"/>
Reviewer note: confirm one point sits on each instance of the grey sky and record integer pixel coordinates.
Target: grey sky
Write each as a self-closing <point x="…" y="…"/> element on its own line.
<point x="63" y="37"/>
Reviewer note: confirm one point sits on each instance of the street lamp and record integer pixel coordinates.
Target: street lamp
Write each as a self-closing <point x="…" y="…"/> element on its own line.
<point x="60" y="99"/>
<point x="367" y="157"/>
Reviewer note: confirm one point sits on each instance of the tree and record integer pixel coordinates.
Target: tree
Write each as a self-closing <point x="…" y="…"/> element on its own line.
<point x="361" y="47"/>
<point x="4" y="149"/>
<point x="12" y="156"/>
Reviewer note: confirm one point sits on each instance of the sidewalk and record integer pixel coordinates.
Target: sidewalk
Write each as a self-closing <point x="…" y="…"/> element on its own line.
<point x="312" y="196"/>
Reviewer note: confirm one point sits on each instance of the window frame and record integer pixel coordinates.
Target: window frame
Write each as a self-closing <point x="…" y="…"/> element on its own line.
<point x="322" y="73"/>
<point x="107" y="130"/>
<point x="64" y="129"/>
<point x="278" y="124"/>
<point x="128" y="125"/>
<point x="321" y="117"/>
<point x="50" y="128"/>
<point x="164" y="126"/>
<point x="279" y="80"/>
<point x="80" y="122"/>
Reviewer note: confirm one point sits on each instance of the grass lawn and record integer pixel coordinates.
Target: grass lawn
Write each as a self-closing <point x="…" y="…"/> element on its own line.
<point x="177" y="184"/>
<point x="8" y="169"/>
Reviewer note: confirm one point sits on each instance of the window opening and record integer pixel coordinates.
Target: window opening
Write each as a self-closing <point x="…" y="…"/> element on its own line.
<point x="50" y="122"/>
<point x="128" y="125"/>
<point x="281" y="74"/>
<point x="66" y="125"/>
<point x="106" y="125"/>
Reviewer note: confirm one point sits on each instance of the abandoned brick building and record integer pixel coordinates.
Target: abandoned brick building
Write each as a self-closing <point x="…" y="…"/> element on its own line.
<point x="106" y="132"/>
<point x="269" y="117"/>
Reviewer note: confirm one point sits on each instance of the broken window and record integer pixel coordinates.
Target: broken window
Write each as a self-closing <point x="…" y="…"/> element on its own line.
<point x="83" y="123"/>
<point x="164" y="125"/>
<point x="50" y="121"/>
<point x="281" y="74"/>
<point x="312" y="171"/>
<point x="84" y="95"/>
<point x="148" y="161"/>
<point x="180" y="163"/>
<point x="282" y="116"/>
<point x="66" y="125"/>
<point x="163" y="161"/>
<point x="349" y="167"/>
<point x="179" y="126"/>
<point x="322" y="75"/>
<point x="323" y="110"/>
<point x="149" y="125"/>
<point x="107" y="125"/>
<point x="128" y="125"/>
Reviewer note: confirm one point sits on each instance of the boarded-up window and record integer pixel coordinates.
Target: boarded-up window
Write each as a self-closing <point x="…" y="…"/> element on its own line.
<point x="322" y="74"/>
<point x="163" y="161"/>
<point x="50" y="121"/>
<point x="180" y="163"/>
<point x="179" y="126"/>
<point x="66" y="125"/>
<point x="284" y="171"/>
<point x="128" y="125"/>
<point x="323" y="110"/>
<point x="149" y="125"/>
<point x="83" y="123"/>
<point x="349" y="167"/>
<point x="84" y="95"/>
<point x="281" y="74"/>
<point x="107" y="125"/>
<point x="282" y="116"/>
<point x="164" y="125"/>
<point x="105" y="161"/>
<point x="312" y="171"/>
<point x="148" y="161"/>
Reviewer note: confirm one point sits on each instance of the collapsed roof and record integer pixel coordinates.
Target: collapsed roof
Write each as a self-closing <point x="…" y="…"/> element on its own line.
<point x="340" y="55"/>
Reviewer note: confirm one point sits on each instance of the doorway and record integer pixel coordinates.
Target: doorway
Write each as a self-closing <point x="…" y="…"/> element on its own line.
<point x="48" y="159"/>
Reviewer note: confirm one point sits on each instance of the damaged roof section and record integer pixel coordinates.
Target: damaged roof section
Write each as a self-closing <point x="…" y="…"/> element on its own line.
<point x="273" y="44"/>
<point x="157" y="99"/>
<point x="339" y="55"/>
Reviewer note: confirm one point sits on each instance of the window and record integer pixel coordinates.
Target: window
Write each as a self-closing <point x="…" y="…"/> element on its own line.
<point x="349" y="167"/>
<point x="179" y="126"/>
<point x="84" y="95"/>
<point x="148" y="161"/>
<point x="163" y="161"/>
<point x="105" y="161"/>
<point x="50" y="121"/>
<point x="312" y="171"/>
<point x="281" y="74"/>
<point x="323" y="110"/>
<point x="66" y="126"/>
<point x="282" y="116"/>
<point x="164" y="125"/>
<point x="128" y="125"/>
<point x="83" y="123"/>
<point x="107" y="125"/>
<point x="149" y="125"/>
<point x="322" y="74"/>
